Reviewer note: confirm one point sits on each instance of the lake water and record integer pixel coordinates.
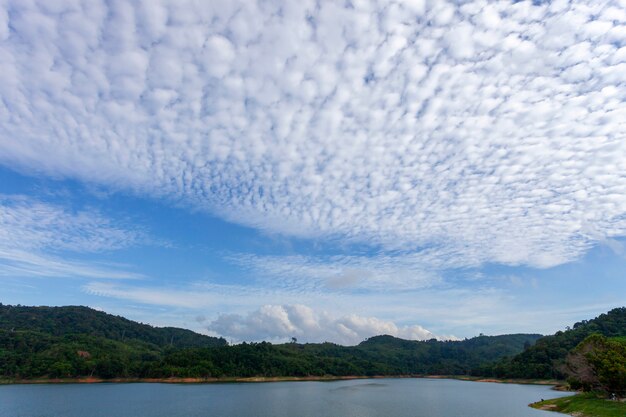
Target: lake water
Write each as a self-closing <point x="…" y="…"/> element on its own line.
<point x="355" y="398"/>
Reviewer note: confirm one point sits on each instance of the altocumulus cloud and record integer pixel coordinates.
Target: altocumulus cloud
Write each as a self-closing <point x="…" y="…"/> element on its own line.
<point x="281" y="322"/>
<point x="489" y="131"/>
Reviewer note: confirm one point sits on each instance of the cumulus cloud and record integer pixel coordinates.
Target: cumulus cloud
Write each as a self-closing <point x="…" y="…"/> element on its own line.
<point x="282" y="322"/>
<point x="34" y="235"/>
<point x="489" y="132"/>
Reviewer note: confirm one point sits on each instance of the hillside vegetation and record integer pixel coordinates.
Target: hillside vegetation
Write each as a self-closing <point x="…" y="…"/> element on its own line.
<point x="598" y="363"/>
<point x="68" y="342"/>
<point x="546" y="358"/>
<point x="77" y="320"/>
<point x="65" y="342"/>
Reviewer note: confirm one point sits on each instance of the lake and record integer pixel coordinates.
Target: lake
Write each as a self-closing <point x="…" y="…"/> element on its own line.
<point x="354" y="398"/>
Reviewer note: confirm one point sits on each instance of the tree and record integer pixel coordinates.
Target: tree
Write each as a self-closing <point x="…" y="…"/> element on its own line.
<point x="61" y="369"/>
<point x="598" y="363"/>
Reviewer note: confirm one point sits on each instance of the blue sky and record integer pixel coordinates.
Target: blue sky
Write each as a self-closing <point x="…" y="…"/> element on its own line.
<point x="330" y="171"/>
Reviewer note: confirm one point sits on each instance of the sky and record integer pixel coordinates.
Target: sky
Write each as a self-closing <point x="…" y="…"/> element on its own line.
<point x="330" y="170"/>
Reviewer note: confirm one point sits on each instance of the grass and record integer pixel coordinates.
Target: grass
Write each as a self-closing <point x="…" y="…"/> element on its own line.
<point x="584" y="405"/>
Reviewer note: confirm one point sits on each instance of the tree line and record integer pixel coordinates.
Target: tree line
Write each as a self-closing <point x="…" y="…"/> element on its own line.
<point x="77" y="341"/>
<point x="66" y="342"/>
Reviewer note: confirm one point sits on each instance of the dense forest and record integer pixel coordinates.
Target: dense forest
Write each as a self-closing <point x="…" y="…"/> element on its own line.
<point x="63" y="342"/>
<point x="79" y="341"/>
<point x="76" y="320"/>
<point x="546" y="358"/>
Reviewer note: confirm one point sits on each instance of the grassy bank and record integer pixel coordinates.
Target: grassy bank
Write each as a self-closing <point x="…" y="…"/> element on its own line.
<point x="584" y="405"/>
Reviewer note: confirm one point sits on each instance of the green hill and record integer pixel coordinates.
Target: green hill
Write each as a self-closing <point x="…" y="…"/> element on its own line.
<point x="79" y="341"/>
<point x="380" y="355"/>
<point x="545" y="358"/>
<point x="445" y="358"/>
<point x="78" y="320"/>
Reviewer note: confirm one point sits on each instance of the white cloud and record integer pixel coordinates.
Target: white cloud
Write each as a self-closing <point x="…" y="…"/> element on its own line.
<point x="282" y="322"/>
<point x="153" y="296"/>
<point x="327" y="273"/>
<point x="17" y="263"/>
<point x="36" y="238"/>
<point x="459" y="41"/>
<point x="489" y="133"/>
<point x="26" y="223"/>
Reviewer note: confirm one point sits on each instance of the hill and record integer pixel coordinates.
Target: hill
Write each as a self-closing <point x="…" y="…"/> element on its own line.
<point x="545" y="358"/>
<point x="78" y="320"/>
<point x="79" y="341"/>
<point x="445" y="358"/>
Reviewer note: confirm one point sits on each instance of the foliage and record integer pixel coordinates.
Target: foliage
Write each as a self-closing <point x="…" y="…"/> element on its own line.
<point x="61" y="321"/>
<point x="546" y="358"/>
<point x="598" y="363"/>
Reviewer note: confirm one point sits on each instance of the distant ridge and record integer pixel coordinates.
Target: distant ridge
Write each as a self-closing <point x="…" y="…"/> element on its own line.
<point x="75" y="320"/>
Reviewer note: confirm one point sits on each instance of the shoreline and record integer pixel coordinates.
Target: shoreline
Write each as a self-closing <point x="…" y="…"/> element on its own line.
<point x="583" y="404"/>
<point x="558" y="385"/>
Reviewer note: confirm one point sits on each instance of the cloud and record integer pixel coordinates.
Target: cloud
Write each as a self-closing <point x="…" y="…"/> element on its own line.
<point x="493" y="133"/>
<point x="171" y="297"/>
<point x="37" y="237"/>
<point x="26" y="223"/>
<point x="282" y="322"/>
<point x="340" y="272"/>
<point x="16" y="263"/>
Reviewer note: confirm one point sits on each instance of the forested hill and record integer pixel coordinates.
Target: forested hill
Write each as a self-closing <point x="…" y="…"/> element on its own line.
<point x="68" y="342"/>
<point x="545" y="359"/>
<point x="444" y="358"/>
<point x="78" y="320"/>
<point x="78" y="341"/>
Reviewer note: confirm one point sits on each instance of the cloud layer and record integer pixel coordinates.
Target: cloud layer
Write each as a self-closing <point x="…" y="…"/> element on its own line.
<point x="36" y="237"/>
<point x="486" y="132"/>
<point x="337" y="273"/>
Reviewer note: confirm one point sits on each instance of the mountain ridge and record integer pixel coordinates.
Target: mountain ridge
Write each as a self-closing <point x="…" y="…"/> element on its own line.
<point x="77" y="341"/>
<point x="66" y="320"/>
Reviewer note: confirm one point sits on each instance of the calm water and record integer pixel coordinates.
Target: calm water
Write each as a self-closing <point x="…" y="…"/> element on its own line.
<point x="357" y="398"/>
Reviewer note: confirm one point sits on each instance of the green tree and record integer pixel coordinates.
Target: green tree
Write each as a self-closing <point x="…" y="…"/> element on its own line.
<point x="598" y="363"/>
